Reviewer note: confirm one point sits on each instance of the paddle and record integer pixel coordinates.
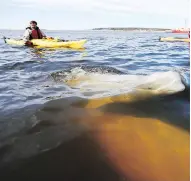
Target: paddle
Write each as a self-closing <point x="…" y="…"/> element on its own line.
<point x="3" y="37"/>
<point x="48" y="38"/>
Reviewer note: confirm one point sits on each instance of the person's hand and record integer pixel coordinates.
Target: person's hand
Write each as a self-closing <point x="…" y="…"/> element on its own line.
<point x="28" y="43"/>
<point x="50" y="38"/>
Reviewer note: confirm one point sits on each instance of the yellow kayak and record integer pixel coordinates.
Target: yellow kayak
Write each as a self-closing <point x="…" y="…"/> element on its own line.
<point x="172" y="39"/>
<point x="45" y="43"/>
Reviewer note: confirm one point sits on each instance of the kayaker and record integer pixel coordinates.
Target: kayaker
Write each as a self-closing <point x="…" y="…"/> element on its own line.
<point x="32" y="32"/>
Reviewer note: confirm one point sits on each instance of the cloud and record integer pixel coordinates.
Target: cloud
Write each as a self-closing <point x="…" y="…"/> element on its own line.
<point x="161" y="7"/>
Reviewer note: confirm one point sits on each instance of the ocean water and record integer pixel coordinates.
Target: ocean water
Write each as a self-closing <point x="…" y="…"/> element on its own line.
<point x="113" y="111"/>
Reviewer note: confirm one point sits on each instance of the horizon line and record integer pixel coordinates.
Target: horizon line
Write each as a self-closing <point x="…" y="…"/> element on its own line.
<point x="117" y="27"/>
<point x="87" y="29"/>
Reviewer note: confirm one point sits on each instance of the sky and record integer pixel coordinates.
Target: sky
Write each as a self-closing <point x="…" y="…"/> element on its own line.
<point x="88" y="14"/>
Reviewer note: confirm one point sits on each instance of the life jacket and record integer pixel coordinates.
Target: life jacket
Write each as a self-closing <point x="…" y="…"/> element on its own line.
<point x="35" y="33"/>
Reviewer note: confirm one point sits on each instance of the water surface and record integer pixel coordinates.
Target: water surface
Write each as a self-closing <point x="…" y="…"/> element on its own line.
<point x="109" y="112"/>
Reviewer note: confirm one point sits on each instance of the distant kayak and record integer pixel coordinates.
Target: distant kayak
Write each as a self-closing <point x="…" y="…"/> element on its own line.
<point x="45" y="43"/>
<point x="174" y="39"/>
<point x="181" y="30"/>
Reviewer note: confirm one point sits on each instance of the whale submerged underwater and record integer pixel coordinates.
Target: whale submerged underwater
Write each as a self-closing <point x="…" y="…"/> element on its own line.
<point x="117" y="127"/>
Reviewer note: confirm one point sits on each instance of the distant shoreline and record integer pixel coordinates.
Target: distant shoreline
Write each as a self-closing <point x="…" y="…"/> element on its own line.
<point x="108" y="29"/>
<point x="136" y="29"/>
